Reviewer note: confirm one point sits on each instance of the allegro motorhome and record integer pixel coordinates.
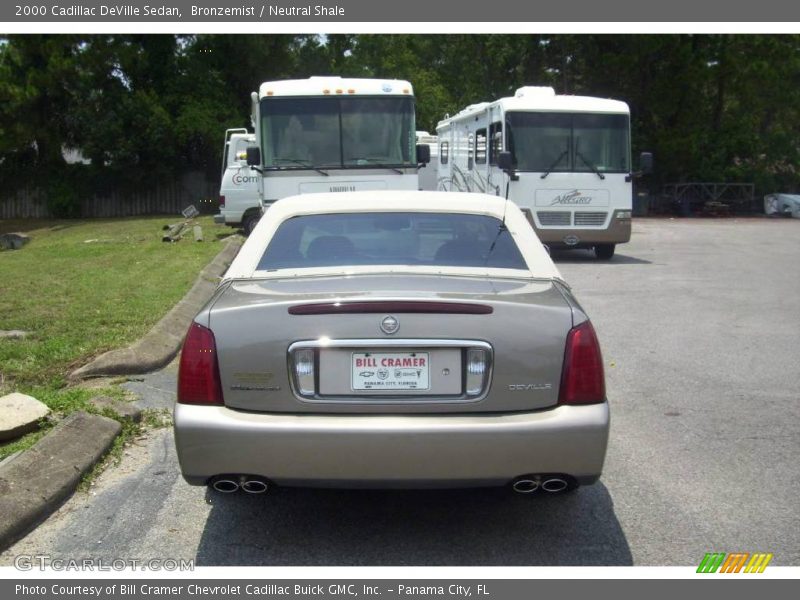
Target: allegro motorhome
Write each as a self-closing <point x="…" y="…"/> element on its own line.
<point x="331" y="134"/>
<point x="565" y="160"/>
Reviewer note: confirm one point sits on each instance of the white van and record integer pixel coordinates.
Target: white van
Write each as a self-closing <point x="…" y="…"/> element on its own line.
<point x="239" y="202"/>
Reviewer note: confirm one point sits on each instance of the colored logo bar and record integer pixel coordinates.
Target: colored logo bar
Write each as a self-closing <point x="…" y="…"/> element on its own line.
<point x="735" y="562"/>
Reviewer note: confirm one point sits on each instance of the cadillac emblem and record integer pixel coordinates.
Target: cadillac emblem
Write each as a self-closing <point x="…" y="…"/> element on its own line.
<point x="389" y="325"/>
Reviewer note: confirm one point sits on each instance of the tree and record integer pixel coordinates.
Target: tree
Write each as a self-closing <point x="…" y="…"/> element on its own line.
<point x="140" y="107"/>
<point x="37" y="73"/>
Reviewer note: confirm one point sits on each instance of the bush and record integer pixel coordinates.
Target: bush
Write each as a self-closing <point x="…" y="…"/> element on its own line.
<point x="63" y="200"/>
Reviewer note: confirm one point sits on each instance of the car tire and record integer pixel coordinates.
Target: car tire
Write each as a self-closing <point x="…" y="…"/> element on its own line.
<point x="604" y="251"/>
<point x="249" y="223"/>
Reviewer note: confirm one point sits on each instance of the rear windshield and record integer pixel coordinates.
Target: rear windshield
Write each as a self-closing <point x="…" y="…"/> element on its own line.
<point x="354" y="239"/>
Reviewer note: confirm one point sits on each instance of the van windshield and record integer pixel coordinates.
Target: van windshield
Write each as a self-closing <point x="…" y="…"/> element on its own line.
<point x="568" y="142"/>
<point x="338" y="132"/>
<point x="390" y="238"/>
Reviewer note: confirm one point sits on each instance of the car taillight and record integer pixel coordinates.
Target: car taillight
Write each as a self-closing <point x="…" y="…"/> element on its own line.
<point x="222" y="201"/>
<point x="582" y="379"/>
<point x="198" y="375"/>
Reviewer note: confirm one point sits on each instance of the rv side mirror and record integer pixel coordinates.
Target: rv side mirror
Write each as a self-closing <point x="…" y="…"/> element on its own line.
<point x="423" y="154"/>
<point x="504" y="161"/>
<point x="254" y="156"/>
<point x="646" y="163"/>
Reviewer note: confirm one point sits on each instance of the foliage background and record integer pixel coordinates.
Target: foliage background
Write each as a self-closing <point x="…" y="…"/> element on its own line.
<point x="144" y="108"/>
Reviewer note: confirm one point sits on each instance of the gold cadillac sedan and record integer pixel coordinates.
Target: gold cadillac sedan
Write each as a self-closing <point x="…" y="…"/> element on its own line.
<point x="396" y="340"/>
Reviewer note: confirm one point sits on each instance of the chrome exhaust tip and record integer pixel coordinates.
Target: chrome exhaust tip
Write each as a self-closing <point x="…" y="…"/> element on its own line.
<point x="254" y="486"/>
<point x="225" y="485"/>
<point x="554" y="485"/>
<point x="525" y="486"/>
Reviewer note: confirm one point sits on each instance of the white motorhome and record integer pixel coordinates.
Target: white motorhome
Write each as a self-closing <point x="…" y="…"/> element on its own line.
<point x="239" y="204"/>
<point x="332" y="134"/>
<point x="565" y="160"/>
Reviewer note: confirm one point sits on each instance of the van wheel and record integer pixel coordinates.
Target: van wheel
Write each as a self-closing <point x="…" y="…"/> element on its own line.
<point x="249" y="223"/>
<point x="604" y="251"/>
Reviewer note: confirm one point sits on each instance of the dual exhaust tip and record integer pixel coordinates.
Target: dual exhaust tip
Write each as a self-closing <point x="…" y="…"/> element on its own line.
<point x="254" y="484"/>
<point x="228" y="484"/>
<point x="528" y="484"/>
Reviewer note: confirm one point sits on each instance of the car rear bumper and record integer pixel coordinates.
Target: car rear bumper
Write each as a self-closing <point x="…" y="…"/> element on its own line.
<point x="391" y="450"/>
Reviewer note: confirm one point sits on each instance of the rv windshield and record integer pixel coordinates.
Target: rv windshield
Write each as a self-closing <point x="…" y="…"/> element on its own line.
<point x="338" y="132"/>
<point x="565" y="142"/>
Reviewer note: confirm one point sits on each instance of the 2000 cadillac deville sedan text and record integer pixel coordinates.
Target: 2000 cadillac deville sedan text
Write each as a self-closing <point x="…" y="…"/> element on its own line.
<point x="392" y="339"/>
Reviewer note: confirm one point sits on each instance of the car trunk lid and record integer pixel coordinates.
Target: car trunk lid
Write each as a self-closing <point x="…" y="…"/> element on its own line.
<point x="441" y="324"/>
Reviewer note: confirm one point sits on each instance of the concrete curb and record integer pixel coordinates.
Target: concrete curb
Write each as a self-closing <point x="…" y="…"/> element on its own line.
<point x="123" y="410"/>
<point x="36" y="482"/>
<point x="160" y="345"/>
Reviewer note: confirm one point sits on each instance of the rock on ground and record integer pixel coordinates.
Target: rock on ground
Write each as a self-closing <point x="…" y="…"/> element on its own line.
<point x="13" y="334"/>
<point x="20" y="414"/>
<point x="13" y="241"/>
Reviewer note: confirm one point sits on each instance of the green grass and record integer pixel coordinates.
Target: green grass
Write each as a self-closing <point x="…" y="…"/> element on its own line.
<point x="82" y="287"/>
<point x="25" y="442"/>
<point x="79" y="298"/>
<point x="62" y="401"/>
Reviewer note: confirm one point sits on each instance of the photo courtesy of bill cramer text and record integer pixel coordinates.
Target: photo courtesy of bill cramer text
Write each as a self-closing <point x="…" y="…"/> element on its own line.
<point x="411" y="589"/>
<point x="73" y="590"/>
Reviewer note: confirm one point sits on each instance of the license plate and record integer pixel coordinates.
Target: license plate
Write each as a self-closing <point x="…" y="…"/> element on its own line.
<point x="390" y="371"/>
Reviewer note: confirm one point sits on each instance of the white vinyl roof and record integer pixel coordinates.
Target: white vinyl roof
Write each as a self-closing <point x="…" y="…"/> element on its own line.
<point x="538" y="260"/>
